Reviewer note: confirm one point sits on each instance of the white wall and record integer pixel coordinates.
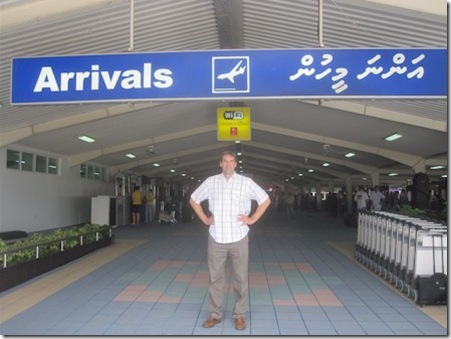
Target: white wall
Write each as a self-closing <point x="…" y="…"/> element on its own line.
<point x="31" y="201"/>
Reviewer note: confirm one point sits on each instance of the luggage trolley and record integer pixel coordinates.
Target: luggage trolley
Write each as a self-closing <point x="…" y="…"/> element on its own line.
<point x="412" y="252"/>
<point x="361" y="234"/>
<point x="430" y="284"/>
<point x="365" y="248"/>
<point x="382" y="227"/>
<point x="396" y="253"/>
<point x="388" y="244"/>
<point x="374" y="241"/>
<point x="409" y="229"/>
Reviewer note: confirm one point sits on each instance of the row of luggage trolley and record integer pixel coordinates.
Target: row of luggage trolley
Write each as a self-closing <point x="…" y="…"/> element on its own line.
<point x="410" y="253"/>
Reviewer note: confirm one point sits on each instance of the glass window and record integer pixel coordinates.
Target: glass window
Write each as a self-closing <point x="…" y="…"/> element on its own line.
<point x="90" y="172"/>
<point x="83" y="171"/>
<point x="53" y="166"/>
<point x="12" y="159"/>
<point x="103" y="173"/>
<point x="27" y="162"/>
<point x="97" y="173"/>
<point x="41" y="164"/>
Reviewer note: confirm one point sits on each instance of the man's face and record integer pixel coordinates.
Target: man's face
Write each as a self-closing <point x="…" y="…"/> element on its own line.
<point x="228" y="164"/>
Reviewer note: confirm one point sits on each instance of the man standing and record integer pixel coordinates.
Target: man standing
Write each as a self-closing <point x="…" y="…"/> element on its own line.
<point x="361" y="199"/>
<point x="229" y="198"/>
<point x="376" y="198"/>
<point x="136" y="205"/>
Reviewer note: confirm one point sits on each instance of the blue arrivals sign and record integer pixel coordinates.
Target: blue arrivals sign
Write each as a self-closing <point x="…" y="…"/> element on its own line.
<point x="231" y="74"/>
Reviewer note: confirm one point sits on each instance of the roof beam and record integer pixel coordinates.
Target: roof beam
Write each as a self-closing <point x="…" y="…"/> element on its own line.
<point x="406" y="159"/>
<point x="16" y="135"/>
<point x="358" y="167"/>
<point x="129" y="165"/>
<point x="38" y="10"/>
<point x="437" y="7"/>
<point x="87" y="156"/>
<point x="374" y="112"/>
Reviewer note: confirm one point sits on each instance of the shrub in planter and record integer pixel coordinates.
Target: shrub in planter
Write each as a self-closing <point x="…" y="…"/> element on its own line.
<point x="42" y="252"/>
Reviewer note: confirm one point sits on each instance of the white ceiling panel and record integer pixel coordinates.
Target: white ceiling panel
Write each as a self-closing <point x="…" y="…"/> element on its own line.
<point x="288" y="136"/>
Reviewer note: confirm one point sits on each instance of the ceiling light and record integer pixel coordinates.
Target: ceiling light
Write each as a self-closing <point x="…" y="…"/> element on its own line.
<point x="349" y="155"/>
<point x="130" y="155"/>
<point x="393" y="137"/>
<point x="172" y="170"/>
<point x="310" y="170"/>
<point x="326" y="164"/>
<point x="300" y="174"/>
<point x="183" y="174"/>
<point x="85" y="138"/>
<point x="437" y="167"/>
<point x="392" y="174"/>
<point x="156" y="164"/>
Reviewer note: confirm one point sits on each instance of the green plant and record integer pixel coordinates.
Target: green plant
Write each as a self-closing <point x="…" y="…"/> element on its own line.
<point x="440" y="216"/>
<point x="42" y="244"/>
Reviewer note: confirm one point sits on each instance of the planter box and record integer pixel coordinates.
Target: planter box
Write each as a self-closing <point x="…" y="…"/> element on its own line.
<point x="16" y="274"/>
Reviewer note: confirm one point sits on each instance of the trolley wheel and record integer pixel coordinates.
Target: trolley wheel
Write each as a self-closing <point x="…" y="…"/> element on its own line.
<point x="395" y="281"/>
<point x="406" y="287"/>
<point x="390" y="277"/>
<point x="401" y="285"/>
<point x="409" y="291"/>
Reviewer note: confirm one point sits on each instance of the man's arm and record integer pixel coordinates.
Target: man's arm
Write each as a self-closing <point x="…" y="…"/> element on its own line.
<point x="257" y="214"/>
<point x="200" y="212"/>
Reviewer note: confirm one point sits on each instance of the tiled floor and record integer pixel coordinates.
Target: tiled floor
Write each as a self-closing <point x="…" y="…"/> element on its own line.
<point x="153" y="280"/>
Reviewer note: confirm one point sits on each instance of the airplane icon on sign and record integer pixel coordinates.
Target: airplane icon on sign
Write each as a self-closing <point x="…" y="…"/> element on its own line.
<point x="237" y="70"/>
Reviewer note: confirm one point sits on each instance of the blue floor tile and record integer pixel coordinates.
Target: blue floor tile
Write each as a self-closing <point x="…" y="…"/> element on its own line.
<point x="294" y="263"/>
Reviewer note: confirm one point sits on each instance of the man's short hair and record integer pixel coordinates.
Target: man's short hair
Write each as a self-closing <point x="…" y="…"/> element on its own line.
<point x="233" y="154"/>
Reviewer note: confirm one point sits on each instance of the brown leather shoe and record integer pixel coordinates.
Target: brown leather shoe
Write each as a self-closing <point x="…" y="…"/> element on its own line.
<point x="210" y="322"/>
<point x="240" y="324"/>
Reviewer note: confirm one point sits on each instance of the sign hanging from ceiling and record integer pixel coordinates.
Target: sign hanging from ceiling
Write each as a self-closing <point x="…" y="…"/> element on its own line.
<point x="234" y="123"/>
<point x="231" y="74"/>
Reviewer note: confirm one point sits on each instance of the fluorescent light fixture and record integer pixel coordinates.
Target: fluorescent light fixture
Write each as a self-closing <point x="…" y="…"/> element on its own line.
<point x="437" y="167"/>
<point x="444" y="176"/>
<point x="239" y="153"/>
<point x="237" y="142"/>
<point x="85" y="138"/>
<point x="392" y="174"/>
<point x="130" y="155"/>
<point x="183" y="175"/>
<point x="310" y="170"/>
<point x="172" y="170"/>
<point x="300" y="174"/>
<point x="349" y="155"/>
<point x="156" y="164"/>
<point x="326" y="164"/>
<point x="393" y="137"/>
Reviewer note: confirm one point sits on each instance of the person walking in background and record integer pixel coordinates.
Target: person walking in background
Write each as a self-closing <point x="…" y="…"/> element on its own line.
<point x="376" y="198"/>
<point x="289" y="202"/>
<point x="361" y="199"/>
<point x="229" y="197"/>
<point x="136" y="205"/>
